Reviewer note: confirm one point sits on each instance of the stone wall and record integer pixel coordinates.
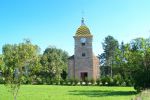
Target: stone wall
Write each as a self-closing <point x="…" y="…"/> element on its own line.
<point x="71" y="73"/>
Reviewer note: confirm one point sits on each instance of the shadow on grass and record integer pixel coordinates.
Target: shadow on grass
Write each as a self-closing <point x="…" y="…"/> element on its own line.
<point x="101" y="93"/>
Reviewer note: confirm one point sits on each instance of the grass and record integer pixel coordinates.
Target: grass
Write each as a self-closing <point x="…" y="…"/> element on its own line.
<point x="48" y="92"/>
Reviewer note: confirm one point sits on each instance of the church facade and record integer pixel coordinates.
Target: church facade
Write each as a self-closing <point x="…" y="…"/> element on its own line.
<point x="83" y="64"/>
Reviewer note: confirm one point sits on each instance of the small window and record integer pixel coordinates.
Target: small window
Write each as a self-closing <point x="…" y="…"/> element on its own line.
<point x="83" y="44"/>
<point x="83" y="54"/>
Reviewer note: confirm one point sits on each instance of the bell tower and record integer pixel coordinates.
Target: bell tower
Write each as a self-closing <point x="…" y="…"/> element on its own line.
<point x="83" y="53"/>
<point x="83" y="64"/>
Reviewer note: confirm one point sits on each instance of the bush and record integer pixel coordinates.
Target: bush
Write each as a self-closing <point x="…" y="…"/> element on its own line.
<point x="81" y="82"/>
<point x="107" y="80"/>
<point x="123" y="84"/>
<point x="103" y="80"/>
<point x="43" y="80"/>
<point x="61" y="82"/>
<point x="1" y="80"/>
<point x="142" y="80"/>
<point x="57" y="81"/>
<point x="66" y="82"/>
<point x="110" y="81"/>
<point x="92" y="82"/>
<point x="76" y="81"/>
<point x="48" y="80"/>
<point x="71" y="81"/>
<point x="98" y="81"/>
<point x="39" y="80"/>
<point x="129" y="80"/>
<point x="117" y="80"/>
<point x="86" y="81"/>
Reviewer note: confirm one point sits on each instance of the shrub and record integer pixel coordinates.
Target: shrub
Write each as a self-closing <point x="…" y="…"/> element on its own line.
<point x="65" y="82"/>
<point x="98" y="81"/>
<point x="117" y="80"/>
<point x="24" y="80"/>
<point x="81" y="82"/>
<point x="92" y="82"/>
<point x="1" y="80"/>
<point x="86" y="81"/>
<point x="61" y="82"/>
<point x="56" y="81"/>
<point x="76" y="81"/>
<point x="103" y="80"/>
<point x="39" y="80"/>
<point x="123" y="84"/>
<point x="128" y="82"/>
<point x="110" y="81"/>
<point x="48" y="81"/>
<point x="142" y="80"/>
<point x="107" y="80"/>
<point x="43" y="80"/>
<point x="71" y="81"/>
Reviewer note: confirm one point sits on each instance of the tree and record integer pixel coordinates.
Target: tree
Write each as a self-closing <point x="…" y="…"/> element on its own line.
<point x="54" y="63"/>
<point x="19" y="61"/>
<point x="140" y="66"/>
<point x="1" y="64"/>
<point x="131" y="61"/>
<point x="1" y="69"/>
<point x="109" y="45"/>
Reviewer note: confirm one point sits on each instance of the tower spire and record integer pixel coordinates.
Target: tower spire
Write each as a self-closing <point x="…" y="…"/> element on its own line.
<point x="82" y="22"/>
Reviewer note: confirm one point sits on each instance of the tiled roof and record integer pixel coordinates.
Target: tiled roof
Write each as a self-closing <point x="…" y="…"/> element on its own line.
<point x="83" y="30"/>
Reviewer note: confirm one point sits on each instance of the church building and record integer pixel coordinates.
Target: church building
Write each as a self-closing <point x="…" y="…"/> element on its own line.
<point x="83" y="64"/>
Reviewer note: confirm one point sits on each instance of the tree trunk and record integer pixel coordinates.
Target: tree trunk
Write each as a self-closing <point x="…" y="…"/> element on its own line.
<point x="16" y="93"/>
<point x="15" y="97"/>
<point x="111" y="71"/>
<point x="111" y="68"/>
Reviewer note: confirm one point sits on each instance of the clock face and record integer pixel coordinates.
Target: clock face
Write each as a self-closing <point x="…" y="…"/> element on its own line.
<point x="83" y="40"/>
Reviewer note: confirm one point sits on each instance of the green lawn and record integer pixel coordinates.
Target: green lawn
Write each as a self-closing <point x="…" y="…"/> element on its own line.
<point x="47" y="92"/>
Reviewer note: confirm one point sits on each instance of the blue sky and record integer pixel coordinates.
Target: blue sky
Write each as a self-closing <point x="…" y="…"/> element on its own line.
<point x="54" y="22"/>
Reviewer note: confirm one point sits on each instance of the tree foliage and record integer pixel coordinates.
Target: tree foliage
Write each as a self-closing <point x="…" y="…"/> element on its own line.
<point x="140" y="63"/>
<point x="1" y="64"/>
<point x="21" y="61"/>
<point x="1" y="69"/>
<point x="54" y="63"/>
<point x="110" y="45"/>
<point x="131" y="61"/>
